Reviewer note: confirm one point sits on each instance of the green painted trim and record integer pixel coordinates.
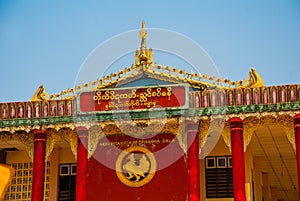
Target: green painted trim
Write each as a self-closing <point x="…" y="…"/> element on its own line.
<point x="168" y="113"/>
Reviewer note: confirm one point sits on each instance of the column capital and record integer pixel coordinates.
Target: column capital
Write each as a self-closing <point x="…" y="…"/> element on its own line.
<point x="192" y="126"/>
<point x="82" y="132"/>
<point x="40" y="134"/>
<point x="235" y="119"/>
<point x="81" y="128"/>
<point x="297" y="116"/>
<point x="44" y="131"/>
<point x="236" y="123"/>
<point x="297" y="120"/>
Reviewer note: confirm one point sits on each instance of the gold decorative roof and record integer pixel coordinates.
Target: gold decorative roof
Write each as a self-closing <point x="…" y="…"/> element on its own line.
<point x="144" y="66"/>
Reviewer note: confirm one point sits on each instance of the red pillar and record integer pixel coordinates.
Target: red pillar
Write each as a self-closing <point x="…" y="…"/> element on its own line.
<point x="193" y="162"/>
<point x="39" y="158"/>
<point x="81" y="174"/>
<point x="238" y="163"/>
<point x="297" y="140"/>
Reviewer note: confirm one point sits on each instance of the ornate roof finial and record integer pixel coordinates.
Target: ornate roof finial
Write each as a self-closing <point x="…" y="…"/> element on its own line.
<point x="143" y="36"/>
<point x="143" y="56"/>
<point x="143" y="51"/>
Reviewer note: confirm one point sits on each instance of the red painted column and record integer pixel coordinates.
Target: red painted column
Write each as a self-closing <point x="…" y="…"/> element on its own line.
<point x="82" y="154"/>
<point x="38" y="172"/>
<point x="193" y="162"/>
<point x="297" y="140"/>
<point x="238" y="162"/>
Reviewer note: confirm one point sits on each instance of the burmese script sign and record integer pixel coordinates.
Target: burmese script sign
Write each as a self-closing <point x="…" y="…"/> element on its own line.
<point x="137" y="98"/>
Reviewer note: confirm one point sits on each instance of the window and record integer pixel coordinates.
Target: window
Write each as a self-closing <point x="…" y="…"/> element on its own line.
<point x="218" y="174"/>
<point x="210" y="163"/>
<point x="67" y="182"/>
<point x="222" y="162"/>
<point x="64" y="170"/>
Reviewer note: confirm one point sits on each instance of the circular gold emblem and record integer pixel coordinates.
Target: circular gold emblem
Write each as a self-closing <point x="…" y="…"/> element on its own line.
<point x="135" y="166"/>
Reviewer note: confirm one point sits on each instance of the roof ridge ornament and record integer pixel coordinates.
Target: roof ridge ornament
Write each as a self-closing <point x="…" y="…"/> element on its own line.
<point x="144" y="61"/>
<point x="143" y="36"/>
<point x="143" y="56"/>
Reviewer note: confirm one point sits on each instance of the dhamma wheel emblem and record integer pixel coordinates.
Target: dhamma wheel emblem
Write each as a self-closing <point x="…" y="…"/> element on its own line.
<point x="135" y="166"/>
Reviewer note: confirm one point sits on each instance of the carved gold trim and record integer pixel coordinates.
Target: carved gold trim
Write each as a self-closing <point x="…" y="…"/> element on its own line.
<point x="182" y="138"/>
<point x="284" y="120"/>
<point x="94" y="136"/>
<point x="71" y="137"/>
<point x="175" y="126"/>
<point x="138" y="128"/>
<point x="27" y="139"/>
<point x="226" y="134"/>
<point x="203" y="131"/>
<point x="52" y="137"/>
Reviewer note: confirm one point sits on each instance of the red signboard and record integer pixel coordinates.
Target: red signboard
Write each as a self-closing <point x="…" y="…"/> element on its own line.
<point x="138" y="98"/>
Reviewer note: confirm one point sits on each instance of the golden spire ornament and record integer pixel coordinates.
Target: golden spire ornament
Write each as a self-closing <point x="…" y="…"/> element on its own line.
<point x="143" y="36"/>
<point x="143" y="51"/>
<point x="143" y="56"/>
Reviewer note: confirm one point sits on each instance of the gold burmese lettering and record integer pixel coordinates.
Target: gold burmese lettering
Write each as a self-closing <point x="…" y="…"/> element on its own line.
<point x="111" y="95"/>
<point x="131" y="104"/>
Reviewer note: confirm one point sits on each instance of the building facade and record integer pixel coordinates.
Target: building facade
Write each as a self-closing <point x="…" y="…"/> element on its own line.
<point x="154" y="132"/>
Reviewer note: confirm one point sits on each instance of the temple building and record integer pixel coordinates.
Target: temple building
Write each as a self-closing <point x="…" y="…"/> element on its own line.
<point x="154" y="132"/>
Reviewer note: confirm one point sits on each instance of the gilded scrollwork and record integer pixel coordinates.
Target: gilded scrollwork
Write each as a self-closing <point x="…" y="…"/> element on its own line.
<point x="22" y="136"/>
<point x="71" y="137"/>
<point x="250" y="125"/>
<point x="284" y="120"/>
<point x="226" y="134"/>
<point x="217" y="126"/>
<point x="135" y="128"/>
<point x="27" y="139"/>
<point x="109" y="128"/>
<point x="94" y="136"/>
<point x="5" y="136"/>
<point x="140" y="127"/>
<point x="52" y="137"/>
<point x="172" y="126"/>
<point x="203" y="131"/>
<point x="182" y="138"/>
<point x="67" y="131"/>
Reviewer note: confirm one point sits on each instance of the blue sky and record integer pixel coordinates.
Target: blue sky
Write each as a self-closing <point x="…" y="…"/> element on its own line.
<point x="47" y="42"/>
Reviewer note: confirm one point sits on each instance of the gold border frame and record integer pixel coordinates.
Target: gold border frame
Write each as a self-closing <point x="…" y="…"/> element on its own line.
<point x="119" y="164"/>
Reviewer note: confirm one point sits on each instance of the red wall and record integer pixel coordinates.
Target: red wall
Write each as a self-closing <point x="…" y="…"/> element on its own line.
<point x="169" y="183"/>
